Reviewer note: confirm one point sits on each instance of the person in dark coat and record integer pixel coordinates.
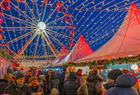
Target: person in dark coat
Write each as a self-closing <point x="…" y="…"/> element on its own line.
<point x="94" y="83"/>
<point x="70" y="85"/>
<point x="123" y="86"/>
<point x="54" y="81"/>
<point x="112" y="76"/>
<point x="3" y="85"/>
<point x="28" y="76"/>
<point x="44" y="84"/>
<point x="18" y="88"/>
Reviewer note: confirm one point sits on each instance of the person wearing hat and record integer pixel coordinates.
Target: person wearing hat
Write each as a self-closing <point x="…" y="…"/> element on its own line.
<point x="123" y="86"/>
<point x="18" y="88"/>
<point x="36" y="89"/>
<point x="112" y="76"/>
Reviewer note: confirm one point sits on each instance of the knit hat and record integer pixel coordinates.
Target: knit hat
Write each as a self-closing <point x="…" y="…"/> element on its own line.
<point x="19" y="75"/>
<point x="32" y="78"/>
<point x="113" y="74"/>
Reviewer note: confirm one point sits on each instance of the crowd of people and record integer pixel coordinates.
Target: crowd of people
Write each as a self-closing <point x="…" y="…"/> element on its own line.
<point x="36" y="82"/>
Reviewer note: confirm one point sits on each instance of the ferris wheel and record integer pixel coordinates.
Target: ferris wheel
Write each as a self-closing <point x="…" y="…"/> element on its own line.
<point x="40" y="28"/>
<point x="36" y="28"/>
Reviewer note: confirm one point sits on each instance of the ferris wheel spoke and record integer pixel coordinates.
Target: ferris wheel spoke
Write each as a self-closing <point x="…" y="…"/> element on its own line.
<point x="53" y="13"/>
<point x="27" y="44"/>
<point x="44" y="47"/>
<point x="36" y="45"/>
<point x="62" y="35"/>
<point x="20" y="37"/>
<point x="8" y="34"/>
<point x="31" y="11"/>
<point x="55" y="39"/>
<point x="49" y="45"/>
<point x="44" y="12"/>
<point x="17" y="28"/>
<point x="24" y="14"/>
<point x="50" y="15"/>
<point x="16" y="19"/>
<point x="37" y="9"/>
<point x="58" y="27"/>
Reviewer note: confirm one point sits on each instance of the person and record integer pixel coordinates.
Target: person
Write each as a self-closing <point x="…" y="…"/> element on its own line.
<point x="10" y="78"/>
<point x="28" y="76"/>
<point x="70" y="85"/>
<point x="137" y="85"/>
<point x="123" y="86"/>
<point x="18" y="88"/>
<point x="35" y="87"/>
<point x="79" y="76"/>
<point x="54" y="81"/>
<point x="44" y="84"/>
<point x="54" y="91"/>
<point x="94" y="83"/>
<point x="112" y="76"/>
<point x="82" y="90"/>
<point x="3" y="85"/>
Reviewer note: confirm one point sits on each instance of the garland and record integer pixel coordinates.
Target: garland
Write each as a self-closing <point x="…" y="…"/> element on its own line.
<point x="126" y="60"/>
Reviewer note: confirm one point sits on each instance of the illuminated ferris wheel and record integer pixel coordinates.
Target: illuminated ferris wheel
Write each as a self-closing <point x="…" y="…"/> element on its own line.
<point x="36" y="28"/>
<point x="40" y="28"/>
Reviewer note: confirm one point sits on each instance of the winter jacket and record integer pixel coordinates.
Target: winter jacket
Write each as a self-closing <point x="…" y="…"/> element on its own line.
<point x="16" y="90"/>
<point x="3" y="85"/>
<point x="70" y="86"/>
<point x="44" y="86"/>
<point x="54" y="82"/>
<point x="123" y="86"/>
<point x="92" y="81"/>
<point x="36" y="90"/>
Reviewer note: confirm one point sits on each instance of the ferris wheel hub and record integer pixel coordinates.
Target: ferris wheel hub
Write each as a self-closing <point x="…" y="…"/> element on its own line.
<point x="41" y="26"/>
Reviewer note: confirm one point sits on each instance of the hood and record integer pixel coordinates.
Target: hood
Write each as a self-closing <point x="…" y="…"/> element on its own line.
<point x="92" y="77"/>
<point x="125" y="81"/>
